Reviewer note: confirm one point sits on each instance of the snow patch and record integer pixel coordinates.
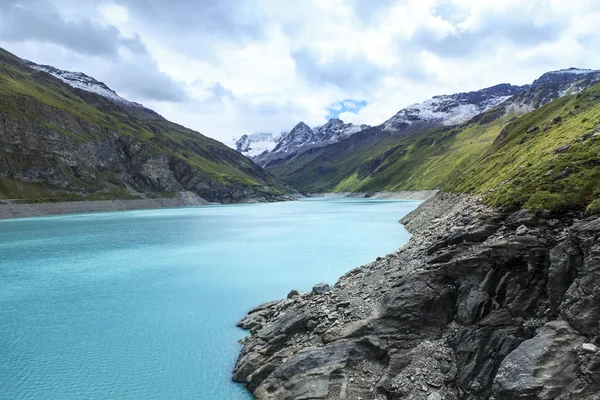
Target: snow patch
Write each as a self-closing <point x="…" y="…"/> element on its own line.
<point x="82" y="81"/>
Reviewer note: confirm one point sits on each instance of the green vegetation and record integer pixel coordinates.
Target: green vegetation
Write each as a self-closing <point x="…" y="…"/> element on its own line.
<point x="546" y="159"/>
<point x="45" y="107"/>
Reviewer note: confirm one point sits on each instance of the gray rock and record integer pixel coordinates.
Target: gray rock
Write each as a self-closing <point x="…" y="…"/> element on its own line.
<point x="463" y="310"/>
<point x="522" y="230"/>
<point x="540" y="367"/>
<point x="293" y="293"/>
<point x="434" y="396"/>
<point x="321" y="288"/>
<point x="589" y="348"/>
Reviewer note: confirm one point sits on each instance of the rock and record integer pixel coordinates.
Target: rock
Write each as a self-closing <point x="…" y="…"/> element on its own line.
<point x="505" y="307"/>
<point x="566" y="260"/>
<point x="589" y="348"/>
<point x="521" y="217"/>
<point x="293" y="293"/>
<point x="562" y="149"/>
<point x="541" y="366"/>
<point x="434" y="396"/>
<point x="522" y="230"/>
<point x="321" y="288"/>
<point x="532" y="129"/>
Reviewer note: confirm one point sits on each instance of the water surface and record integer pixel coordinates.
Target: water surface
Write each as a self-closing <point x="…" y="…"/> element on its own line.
<point x="143" y="304"/>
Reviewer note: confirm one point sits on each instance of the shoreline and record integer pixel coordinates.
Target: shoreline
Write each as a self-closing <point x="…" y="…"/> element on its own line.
<point x="477" y="297"/>
<point x="25" y="210"/>
<point x="399" y="195"/>
<point x="183" y="199"/>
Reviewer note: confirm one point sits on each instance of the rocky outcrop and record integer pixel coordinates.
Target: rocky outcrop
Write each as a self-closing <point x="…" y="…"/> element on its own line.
<point x="65" y="136"/>
<point x="479" y="304"/>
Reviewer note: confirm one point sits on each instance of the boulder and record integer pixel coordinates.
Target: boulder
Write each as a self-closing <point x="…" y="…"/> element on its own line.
<point x="321" y="288"/>
<point x="541" y="367"/>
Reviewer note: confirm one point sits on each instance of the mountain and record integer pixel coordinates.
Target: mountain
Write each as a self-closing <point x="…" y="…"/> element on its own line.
<point x="452" y="109"/>
<point x="553" y="85"/>
<point x="265" y="147"/>
<point x="67" y="136"/>
<point x="254" y="144"/>
<point x="495" y="296"/>
<point x="423" y="152"/>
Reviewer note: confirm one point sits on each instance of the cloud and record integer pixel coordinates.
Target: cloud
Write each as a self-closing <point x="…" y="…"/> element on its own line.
<point x="347" y="105"/>
<point x="486" y="28"/>
<point x="227" y="67"/>
<point x="121" y="61"/>
<point x="36" y="21"/>
<point x="345" y="71"/>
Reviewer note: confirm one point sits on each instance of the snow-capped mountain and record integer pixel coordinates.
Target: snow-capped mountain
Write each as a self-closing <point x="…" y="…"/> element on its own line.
<point x="453" y="109"/>
<point x="265" y="146"/>
<point x="335" y="130"/>
<point x="552" y="85"/>
<point x="253" y="144"/>
<point x="79" y="80"/>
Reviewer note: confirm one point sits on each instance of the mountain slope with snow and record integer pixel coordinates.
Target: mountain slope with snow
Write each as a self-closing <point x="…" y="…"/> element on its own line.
<point x="452" y="109"/>
<point x="263" y="147"/>
<point x="254" y="144"/>
<point x="66" y="136"/>
<point x="79" y="80"/>
<point x="422" y="144"/>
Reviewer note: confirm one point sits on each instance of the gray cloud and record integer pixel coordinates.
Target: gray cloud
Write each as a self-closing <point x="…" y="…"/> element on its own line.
<point x="345" y="71"/>
<point x="38" y="21"/>
<point x="511" y="25"/>
<point x="194" y="27"/>
<point x="225" y="18"/>
<point x="141" y="79"/>
<point x="137" y="76"/>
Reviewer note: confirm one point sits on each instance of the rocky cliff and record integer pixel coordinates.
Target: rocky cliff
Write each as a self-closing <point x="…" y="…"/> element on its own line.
<point x="65" y="136"/>
<point x="481" y="303"/>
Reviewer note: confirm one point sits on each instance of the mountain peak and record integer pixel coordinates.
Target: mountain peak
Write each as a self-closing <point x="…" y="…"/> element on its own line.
<point x="300" y="125"/>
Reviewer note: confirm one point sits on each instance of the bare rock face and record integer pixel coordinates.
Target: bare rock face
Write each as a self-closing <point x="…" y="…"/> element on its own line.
<point x="542" y="366"/>
<point x="479" y="304"/>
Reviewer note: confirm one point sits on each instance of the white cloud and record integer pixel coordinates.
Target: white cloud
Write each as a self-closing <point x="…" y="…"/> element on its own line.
<point x="230" y="67"/>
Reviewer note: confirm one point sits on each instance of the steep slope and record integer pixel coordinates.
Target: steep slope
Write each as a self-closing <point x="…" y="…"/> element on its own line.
<point x="494" y="297"/>
<point x="422" y="156"/>
<point x="66" y="136"/>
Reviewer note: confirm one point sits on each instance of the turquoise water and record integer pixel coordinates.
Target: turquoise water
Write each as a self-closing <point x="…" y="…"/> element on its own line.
<point x="143" y="304"/>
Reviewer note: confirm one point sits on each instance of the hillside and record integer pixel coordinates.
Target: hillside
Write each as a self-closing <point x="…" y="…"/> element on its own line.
<point x="544" y="158"/>
<point x="65" y="136"/>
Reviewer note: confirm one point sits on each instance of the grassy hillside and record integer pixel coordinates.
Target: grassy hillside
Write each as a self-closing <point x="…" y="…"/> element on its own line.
<point x="547" y="159"/>
<point x="92" y="148"/>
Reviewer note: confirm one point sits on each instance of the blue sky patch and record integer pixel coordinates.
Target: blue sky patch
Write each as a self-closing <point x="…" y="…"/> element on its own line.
<point x="341" y="106"/>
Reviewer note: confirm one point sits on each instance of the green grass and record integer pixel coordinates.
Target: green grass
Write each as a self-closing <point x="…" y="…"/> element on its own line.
<point x="548" y="159"/>
<point x="44" y="103"/>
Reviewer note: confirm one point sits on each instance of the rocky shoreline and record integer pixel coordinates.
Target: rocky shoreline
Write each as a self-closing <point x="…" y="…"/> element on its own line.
<point x="481" y="303"/>
<point x="401" y="195"/>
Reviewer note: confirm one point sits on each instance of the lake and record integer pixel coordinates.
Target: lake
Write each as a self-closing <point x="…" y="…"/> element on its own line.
<point x="143" y="304"/>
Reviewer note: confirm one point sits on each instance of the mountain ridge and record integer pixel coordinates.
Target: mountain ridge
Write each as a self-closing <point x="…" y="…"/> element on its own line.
<point x="60" y="142"/>
<point x="420" y="156"/>
<point x="265" y="147"/>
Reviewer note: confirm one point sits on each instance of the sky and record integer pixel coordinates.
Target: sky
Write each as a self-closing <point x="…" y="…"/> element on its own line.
<point x="229" y="67"/>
